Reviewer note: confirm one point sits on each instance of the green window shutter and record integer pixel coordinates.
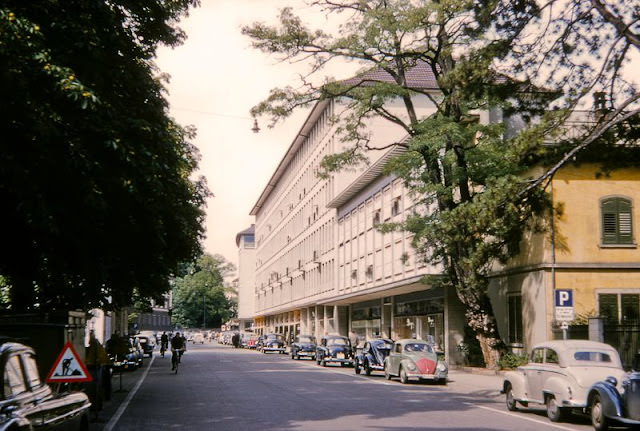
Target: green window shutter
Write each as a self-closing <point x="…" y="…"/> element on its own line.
<point x="617" y="224"/>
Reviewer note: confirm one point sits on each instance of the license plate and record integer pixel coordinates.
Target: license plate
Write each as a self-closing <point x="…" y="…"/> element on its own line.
<point x="340" y="356"/>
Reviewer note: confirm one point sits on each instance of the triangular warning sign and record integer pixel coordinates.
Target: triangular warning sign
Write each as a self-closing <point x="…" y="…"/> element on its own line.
<point x="68" y="367"/>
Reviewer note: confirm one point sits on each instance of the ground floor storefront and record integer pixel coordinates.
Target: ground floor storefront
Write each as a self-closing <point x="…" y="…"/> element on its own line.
<point x="433" y="315"/>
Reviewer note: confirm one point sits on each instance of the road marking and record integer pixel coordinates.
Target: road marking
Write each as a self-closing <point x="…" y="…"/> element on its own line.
<point x="520" y="416"/>
<point x="116" y="417"/>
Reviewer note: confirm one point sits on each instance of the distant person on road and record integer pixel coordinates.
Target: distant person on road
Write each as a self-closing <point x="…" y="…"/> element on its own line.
<point x="177" y="348"/>
<point x="164" y="343"/>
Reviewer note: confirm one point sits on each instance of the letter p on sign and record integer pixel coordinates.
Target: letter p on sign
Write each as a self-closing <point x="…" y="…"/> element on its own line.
<point x="564" y="298"/>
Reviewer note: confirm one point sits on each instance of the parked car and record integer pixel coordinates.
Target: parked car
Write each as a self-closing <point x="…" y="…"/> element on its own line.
<point x="412" y="359"/>
<point x="248" y="340"/>
<point x="198" y="337"/>
<point x="334" y="349"/>
<point x="560" y="375"/>
<point x="28" y="403"/>
<point x="303" y="346"/>
<point x="271" y="343"/>
<point x="148" y="344"/>
<point x="132" y="359"/>
<point x="372" y="355"/>
<point x="608" y="406"/>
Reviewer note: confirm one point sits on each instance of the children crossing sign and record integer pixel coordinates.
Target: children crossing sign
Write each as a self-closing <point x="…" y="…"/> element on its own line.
<point x="68" y="368"/>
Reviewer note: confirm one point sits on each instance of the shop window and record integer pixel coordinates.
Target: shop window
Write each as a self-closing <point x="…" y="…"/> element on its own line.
<point x="617" y="226"/>
<point x="514" y="309"/>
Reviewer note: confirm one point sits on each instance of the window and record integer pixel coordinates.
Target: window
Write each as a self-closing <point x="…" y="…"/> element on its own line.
<point x="31" y="371"/>
<point x="514" y="308"/>
<point x="395" y="207"/>
<point x="376" y="218"/>
<point x="537" y="356"/>
<point x="619" y="307"/>
<point x="551" y="356"/>
<point x="13" y="379"/>
<point x="616" y="221"/>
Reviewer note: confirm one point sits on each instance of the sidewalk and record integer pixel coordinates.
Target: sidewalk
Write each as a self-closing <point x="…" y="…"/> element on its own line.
<point x="123" y="386"/>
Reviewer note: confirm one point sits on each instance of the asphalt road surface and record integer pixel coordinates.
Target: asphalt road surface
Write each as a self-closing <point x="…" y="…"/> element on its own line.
<point x="222" y="388"/>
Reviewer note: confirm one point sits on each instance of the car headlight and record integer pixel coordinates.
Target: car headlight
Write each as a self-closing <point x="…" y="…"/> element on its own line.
<point x="411" y="366"/>
<point x="441" y="366"/>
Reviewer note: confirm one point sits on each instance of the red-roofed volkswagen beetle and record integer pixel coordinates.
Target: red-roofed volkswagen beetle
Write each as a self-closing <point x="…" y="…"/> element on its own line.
<point x="412" y="359"/>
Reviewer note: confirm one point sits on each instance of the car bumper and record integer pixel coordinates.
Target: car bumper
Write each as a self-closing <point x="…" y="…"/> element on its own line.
<point x="419" y="376"/>
<point x="328" y="359"/>
<point x="273" y="349"/>
<point x="308" y="354"/>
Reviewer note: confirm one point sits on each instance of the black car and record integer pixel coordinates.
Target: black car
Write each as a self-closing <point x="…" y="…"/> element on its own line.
<point x="271" y="343"/>
<point x="334" y="349"/>
<point x="147" y="343"/>
<point x="608" y="407"/>
<point x="303" y="346"/>
<point x="28" y="403"/>
<point x="372" y="355"/>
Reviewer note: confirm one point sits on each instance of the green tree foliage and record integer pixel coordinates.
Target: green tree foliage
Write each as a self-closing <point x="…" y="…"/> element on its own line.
<point x="468" y="177"/>
<point x="201" y="295"/>
<point x="98" y="197"/>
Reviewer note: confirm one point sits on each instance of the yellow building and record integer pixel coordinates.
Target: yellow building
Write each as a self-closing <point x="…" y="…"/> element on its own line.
<point x="590" y="249"/>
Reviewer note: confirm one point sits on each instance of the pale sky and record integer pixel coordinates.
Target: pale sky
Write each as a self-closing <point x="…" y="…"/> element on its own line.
<point x="216" y="77"/>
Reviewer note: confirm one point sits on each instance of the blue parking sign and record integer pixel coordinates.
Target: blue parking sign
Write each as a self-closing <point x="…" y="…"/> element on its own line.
<point x="564" y="298"/>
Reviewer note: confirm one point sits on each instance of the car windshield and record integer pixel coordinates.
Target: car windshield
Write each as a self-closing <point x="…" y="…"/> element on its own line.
<point x="306" y="340"/>
<point x="418" y="347"/>
<point x="337" y="341"/>
<point x="273" y="337"/>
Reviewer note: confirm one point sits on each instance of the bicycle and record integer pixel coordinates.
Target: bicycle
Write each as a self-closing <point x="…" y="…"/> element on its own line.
<point x="163" y="348"/>
<point x="176" y="355"/>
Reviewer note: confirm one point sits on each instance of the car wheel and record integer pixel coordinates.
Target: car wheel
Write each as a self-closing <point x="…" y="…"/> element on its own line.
<point x="509" y="398"/>
<point x="555" y="413"/>
<point x="356" y="366"/>
<point x="387" y="375"/>
<point x="598" y="419"/>
<point x="404" y="379"/>
<point x="367" y="368"/>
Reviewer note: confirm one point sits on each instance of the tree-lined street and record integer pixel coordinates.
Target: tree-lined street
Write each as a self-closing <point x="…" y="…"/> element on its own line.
<point x="222" y="388"/>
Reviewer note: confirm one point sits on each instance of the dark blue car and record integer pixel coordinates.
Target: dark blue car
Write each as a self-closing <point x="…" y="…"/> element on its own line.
<point x="371" y="356"/>
<point x="608" y="407"/>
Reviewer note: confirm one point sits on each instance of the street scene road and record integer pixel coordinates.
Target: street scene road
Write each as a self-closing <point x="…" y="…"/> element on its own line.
<point x="222" y="388"/>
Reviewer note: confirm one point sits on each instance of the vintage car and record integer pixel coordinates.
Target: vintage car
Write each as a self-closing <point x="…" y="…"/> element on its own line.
<point x="29" y="403"/>
<point x="197" y="337"/>
<point x="413" y="359"/>
<point x="271" y="343"/>
<point x="610" y="406"/>
<point x="303" y="346"/>
<point x="147" y="343"/>
<point x="372" y="355"/>
<point x="559" y="374"/>
<point x="334" y="349"/>
<point x="133" y="359"/>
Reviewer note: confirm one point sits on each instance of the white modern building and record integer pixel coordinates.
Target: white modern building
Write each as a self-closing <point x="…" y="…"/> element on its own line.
<point x="321" y="266"/>
<point x="245" y="241"/>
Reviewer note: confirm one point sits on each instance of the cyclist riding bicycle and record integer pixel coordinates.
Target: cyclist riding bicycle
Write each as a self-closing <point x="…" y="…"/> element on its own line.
<point x="164" y="343"/>
<point x="177" y="349"/>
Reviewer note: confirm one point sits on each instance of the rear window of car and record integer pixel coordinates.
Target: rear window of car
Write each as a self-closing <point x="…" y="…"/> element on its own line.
<point x="588" y="356"/>
<point x="338" y="341"/>
<point x="418" y="347"/>
<point x="306" y="340"/>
